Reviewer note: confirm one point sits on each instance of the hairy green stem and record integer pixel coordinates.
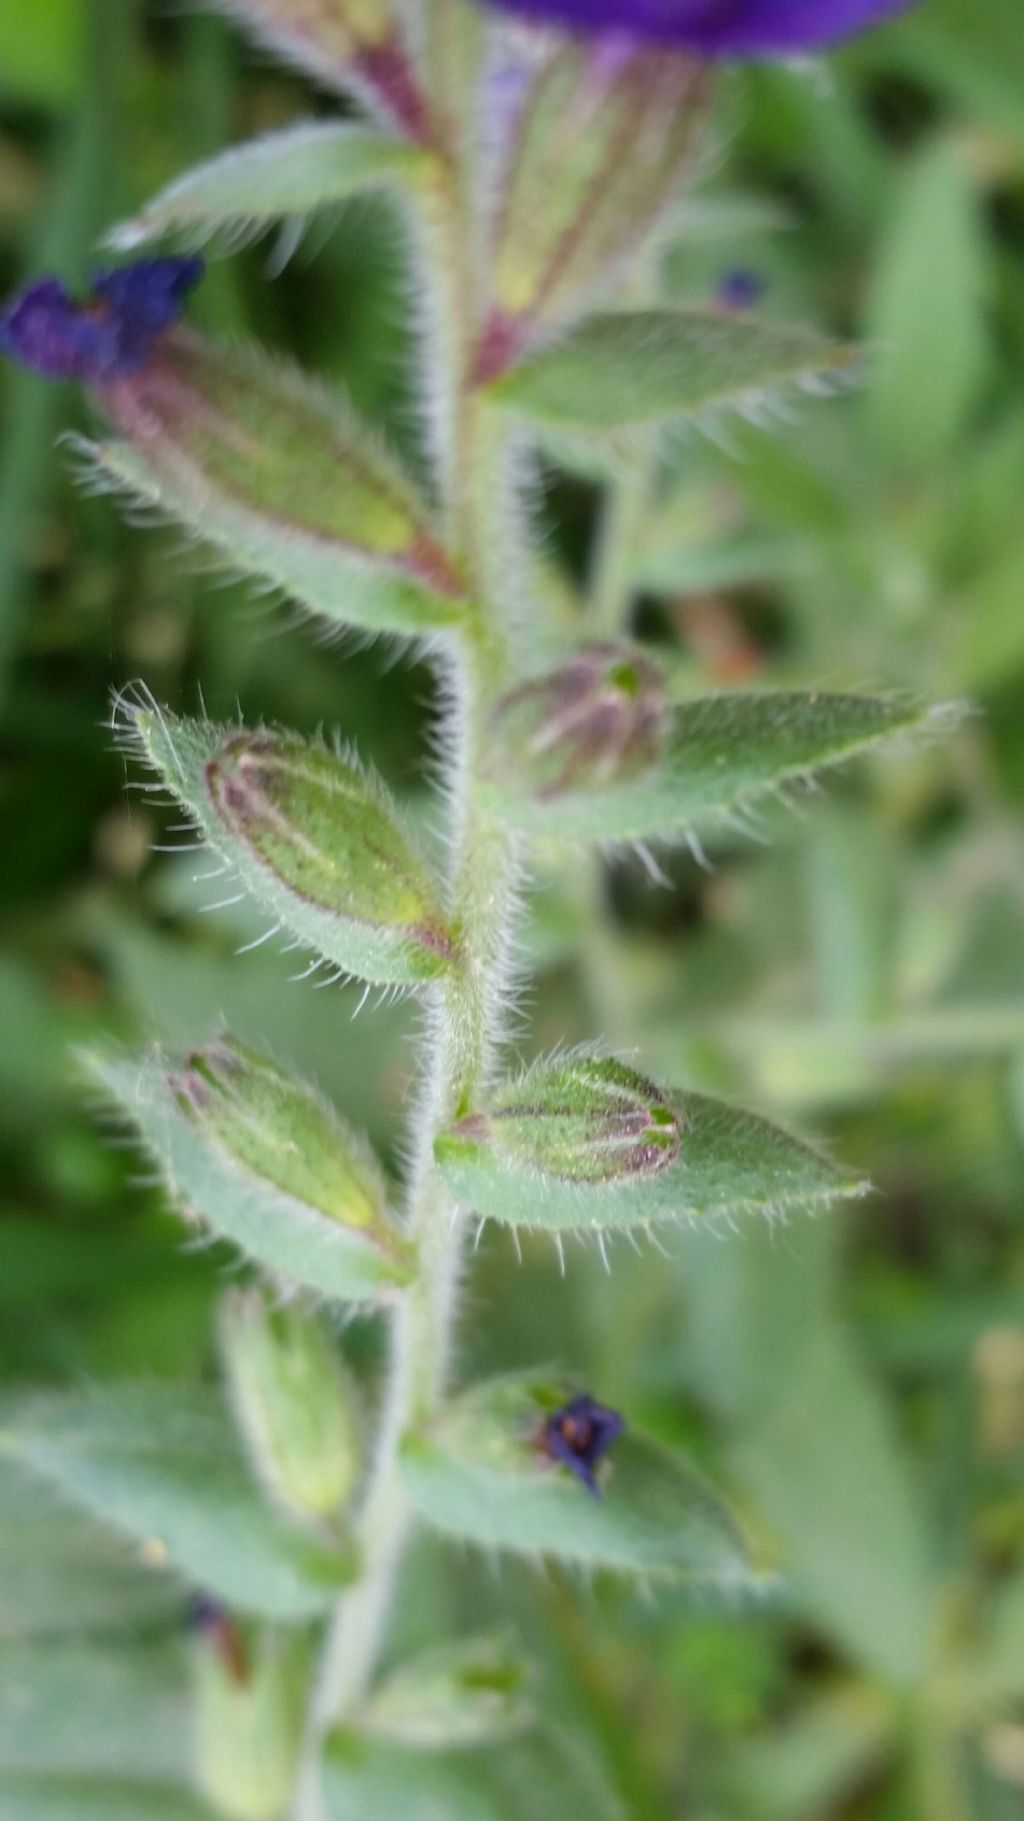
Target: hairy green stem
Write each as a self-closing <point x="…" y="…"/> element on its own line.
<point x="462" y="1015"/>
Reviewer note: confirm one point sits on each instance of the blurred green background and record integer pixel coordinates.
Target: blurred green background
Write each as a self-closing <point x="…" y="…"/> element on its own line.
<point x="858" y="1383"/>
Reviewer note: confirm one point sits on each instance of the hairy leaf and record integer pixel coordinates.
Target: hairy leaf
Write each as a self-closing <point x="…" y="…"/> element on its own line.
<point x="98" y="1709"/>
<point x="615" y="765"/>
<point x="544" y="1778"/>
<point x="49" y="1798"/>
<point x="62" y="1572"/>
<point x="312" y="836"/>
<point x="470" y="1692"/>
<point x="625" y="370"/>
<point x="162" y="1463"/>
<point x="292" y="172"/>
<point x="826" y="1466"/>
<point x="255" y="460"/>
<point x="353" y="1263"/>
<point x="587" y="1143"/>
<point x="479" y="1470"/>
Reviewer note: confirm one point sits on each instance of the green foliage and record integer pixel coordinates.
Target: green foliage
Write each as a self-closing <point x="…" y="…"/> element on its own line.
<point x="542" y="1777"/>
<point x="41" y="1798"/>
<point x="294" y="172"/>
<point x="640" y="367"/>
<point x="478" y="1471"/>
<point x="586" y="1143"/>
<point x="161" y="1463"/>
<point x="95" y="1709"/>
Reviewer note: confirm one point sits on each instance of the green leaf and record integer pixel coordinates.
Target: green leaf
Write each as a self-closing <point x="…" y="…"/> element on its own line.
<point x="47" y="1798"/>
<point x="544" y="1778"/>
<point x="257" y="461"/>
<point x="292" y="172"/>
<point x="42" y="49"/>
<point x="314" y="838"/>
<point x="62" y="1572"/>
<point x="478" y="1471"/>
<point x="162" y="1464"/>
<point x="559" y="771"/>
<point x="586" y="1143"/>
<point x="930" y="362"/>
<point x="97" y="1709"/>
<point x="623" y="371"/>
<point x="827" y="1469"/>
<point x="470" y="1692"/>
<point x="343" y="1261"/>
<point x="813" y="1765"/>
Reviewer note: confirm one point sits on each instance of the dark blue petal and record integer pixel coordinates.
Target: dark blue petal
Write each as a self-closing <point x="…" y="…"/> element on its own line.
<point x="150" y="295"/>
<point x="579" y="1436"/>
<point x="715" y="28"/>
<point x="109" y="336"/>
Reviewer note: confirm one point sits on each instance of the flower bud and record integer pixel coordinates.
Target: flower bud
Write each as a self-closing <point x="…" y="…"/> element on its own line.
<point x="595" y="155"/>
<point x="592" y="724"/>
<point x="272" y="1166"/>
<point x="346" y="44"/>
<point x="293" y="1404"/>
<point x="584" y="1119"/>
<point x="250" y="1703"/>
<point x="255" y="460"/>
<point x="319" y="833"/>
<point x="278" y="1129"/>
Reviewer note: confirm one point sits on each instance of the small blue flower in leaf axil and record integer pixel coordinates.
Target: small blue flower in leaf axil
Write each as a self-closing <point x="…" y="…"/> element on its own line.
<point x="110" y="335"/>
<point x="579" y="1436"/>
<point x="714" y="28"/>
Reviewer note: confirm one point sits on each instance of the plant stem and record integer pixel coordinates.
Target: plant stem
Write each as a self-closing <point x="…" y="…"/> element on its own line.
<point x="462" y="1019"/>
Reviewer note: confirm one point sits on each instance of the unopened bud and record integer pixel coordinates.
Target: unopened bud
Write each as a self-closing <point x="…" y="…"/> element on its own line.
<point x="597" y="152"/>
<point x="323" y="836"/>
<point x="589" y="725"/>
<point x="254" y="460"/>
<point x="278" y="1129"/>
<point x="585" y="1120"/>
<point x="249" y="1713"/>
<point x="346" y="44"/>
<point x="294" y="1406"/>
<point x="297" y="1187"/>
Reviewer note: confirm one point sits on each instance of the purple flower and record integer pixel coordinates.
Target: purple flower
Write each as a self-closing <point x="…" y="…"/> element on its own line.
<point x="109" y="336"/>
<point x="580" y="1435"/>
<point x="714" y="28"/>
